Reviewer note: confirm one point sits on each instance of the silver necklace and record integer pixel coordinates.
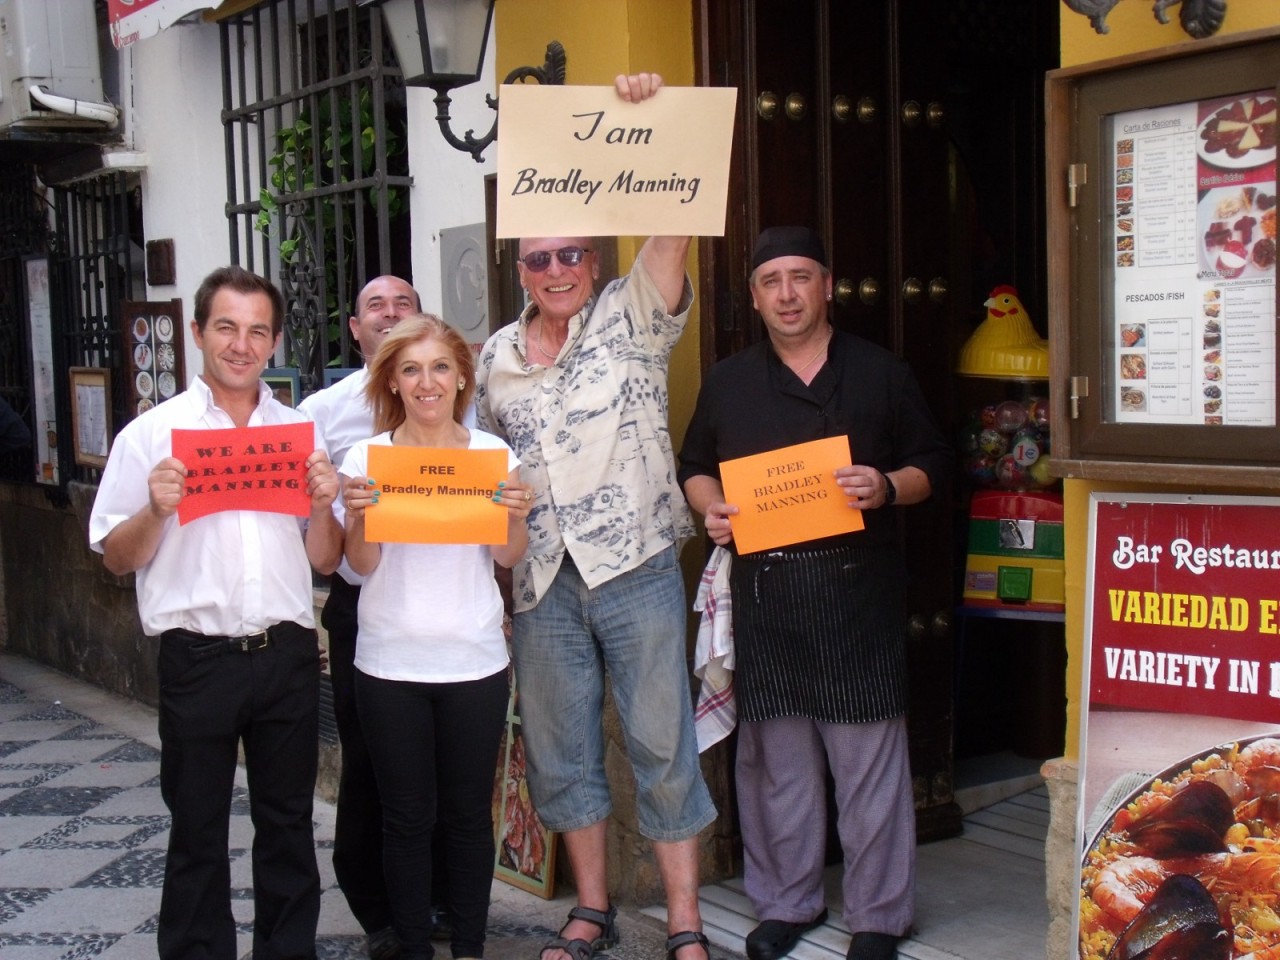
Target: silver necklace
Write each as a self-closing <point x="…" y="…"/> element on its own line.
<point x="821" y="350"/>
<point x="546" y="353"/>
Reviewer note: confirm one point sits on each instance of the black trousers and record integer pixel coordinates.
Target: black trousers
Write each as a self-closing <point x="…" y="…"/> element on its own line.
<point x="212" y="698"/>
<point x="357" y="840"/>
<point x="435" y="749"/>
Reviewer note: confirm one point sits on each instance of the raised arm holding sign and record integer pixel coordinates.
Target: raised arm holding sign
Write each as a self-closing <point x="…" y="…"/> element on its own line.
<point x="578" y="386"/>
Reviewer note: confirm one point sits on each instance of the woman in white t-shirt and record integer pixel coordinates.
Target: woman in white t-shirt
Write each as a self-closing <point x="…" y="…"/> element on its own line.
<point x="431" y="656"/>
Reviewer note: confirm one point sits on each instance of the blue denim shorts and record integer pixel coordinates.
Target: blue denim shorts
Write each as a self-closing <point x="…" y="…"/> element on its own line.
<point x="633" y="629"/>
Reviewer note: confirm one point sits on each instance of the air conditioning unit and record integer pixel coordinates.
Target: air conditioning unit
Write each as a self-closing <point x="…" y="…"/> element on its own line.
<point x="49" y="72"/>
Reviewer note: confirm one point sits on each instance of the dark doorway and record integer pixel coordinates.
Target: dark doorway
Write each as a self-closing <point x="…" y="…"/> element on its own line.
<point x="910" y="134"/>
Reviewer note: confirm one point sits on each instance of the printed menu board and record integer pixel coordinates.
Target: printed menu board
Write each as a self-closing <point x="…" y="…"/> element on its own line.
<point x="1194" y="227"/>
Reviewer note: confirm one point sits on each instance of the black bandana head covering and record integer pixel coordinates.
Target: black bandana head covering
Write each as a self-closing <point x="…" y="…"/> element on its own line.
<point x="788" y="242"/>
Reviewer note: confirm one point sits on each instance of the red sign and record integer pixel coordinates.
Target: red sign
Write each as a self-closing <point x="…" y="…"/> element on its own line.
<point x="1185" y="607"/>
<point x="250" y="468"/>
<point x="138" y="19"/>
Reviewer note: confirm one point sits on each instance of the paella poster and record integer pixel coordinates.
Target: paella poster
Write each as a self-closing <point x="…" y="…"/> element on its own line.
<point x="1180" y="746"/>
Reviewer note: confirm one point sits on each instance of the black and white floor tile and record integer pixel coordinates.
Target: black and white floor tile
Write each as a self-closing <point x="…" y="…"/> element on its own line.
<point x="83" y="832"/>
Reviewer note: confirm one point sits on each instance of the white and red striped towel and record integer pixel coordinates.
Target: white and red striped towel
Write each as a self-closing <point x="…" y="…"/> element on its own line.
<point x="716" y="712"/>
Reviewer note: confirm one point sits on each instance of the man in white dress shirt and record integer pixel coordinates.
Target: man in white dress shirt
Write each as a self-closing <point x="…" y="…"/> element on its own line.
<point x="342" y="418"/>
<point x="229" y="595"/>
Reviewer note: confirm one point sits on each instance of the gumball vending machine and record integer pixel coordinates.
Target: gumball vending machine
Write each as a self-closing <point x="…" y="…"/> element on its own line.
<point x="1015" y="555"/>
<point x="1010" y="666"/>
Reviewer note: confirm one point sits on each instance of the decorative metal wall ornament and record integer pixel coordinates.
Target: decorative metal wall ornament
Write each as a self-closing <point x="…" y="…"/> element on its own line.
<point x="552" y="71"/>
<point x="1199" y="18"/>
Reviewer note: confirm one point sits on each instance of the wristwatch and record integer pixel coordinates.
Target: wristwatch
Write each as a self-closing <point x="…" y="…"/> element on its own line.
<point x="890" y="491"/>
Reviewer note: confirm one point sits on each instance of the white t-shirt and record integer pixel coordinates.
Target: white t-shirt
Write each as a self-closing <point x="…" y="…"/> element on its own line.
<point x="342" y="417"/>
<point x="429" y="612"/>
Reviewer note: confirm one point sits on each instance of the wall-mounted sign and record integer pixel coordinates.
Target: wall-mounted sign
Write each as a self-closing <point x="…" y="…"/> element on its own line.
<point x="44" y="393"/>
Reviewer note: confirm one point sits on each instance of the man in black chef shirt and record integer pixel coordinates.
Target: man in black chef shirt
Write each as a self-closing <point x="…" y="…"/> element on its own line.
<point x="818" y="626"/>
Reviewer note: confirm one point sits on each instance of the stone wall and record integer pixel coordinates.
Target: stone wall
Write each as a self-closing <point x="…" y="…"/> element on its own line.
<point x="1062" y="859"/>
<point x="63" y="608"/>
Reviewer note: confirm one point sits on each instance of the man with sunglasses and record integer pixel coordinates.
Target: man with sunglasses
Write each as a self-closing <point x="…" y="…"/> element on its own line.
<point x="578" y="387"/>
<point x="820" y="671"/>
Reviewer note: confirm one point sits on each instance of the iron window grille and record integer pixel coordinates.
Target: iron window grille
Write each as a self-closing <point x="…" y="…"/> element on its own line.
<point x="317" y="167"/>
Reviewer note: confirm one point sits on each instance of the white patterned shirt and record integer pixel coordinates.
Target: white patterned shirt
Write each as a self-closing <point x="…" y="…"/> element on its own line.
<point x="592" y="434"/>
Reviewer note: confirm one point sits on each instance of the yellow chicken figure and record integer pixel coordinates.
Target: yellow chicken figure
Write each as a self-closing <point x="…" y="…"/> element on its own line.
<point x="1005" y="345"/>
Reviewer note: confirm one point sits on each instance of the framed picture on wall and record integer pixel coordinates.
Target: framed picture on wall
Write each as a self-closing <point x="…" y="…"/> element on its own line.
<point x="333" y="374"/>
<point x="153" y="348"/>
<point x="285" y="383"/>
<point x="525" y="853"/>
<point x="91" y="414"/>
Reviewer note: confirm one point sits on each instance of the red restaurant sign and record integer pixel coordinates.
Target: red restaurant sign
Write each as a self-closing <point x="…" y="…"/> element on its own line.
<point x="1186" y="606"/>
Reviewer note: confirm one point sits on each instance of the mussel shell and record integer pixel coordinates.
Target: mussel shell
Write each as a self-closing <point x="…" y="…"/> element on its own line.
<point x="1170" y="839"/>
<point x="1232" y="784"/>
<point x="1180" y="922"/>
<point x="1195" y="820"/>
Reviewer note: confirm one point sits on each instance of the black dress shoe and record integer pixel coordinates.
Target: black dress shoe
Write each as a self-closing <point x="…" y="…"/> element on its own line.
<point x="441" y="922"/>
<point x="872" y="946"/>
<point x="776" y="938"/>
<point x="384" y="944"/>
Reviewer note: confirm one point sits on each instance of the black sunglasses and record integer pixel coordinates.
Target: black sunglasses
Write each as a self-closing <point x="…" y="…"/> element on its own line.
<point x="539" y="260"/>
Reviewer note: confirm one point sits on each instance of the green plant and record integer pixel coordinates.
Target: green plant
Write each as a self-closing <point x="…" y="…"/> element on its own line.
<point x="305" y="159"/>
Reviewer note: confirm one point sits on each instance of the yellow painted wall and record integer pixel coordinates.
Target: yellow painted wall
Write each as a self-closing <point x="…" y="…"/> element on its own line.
<point x="603" y="38"/>
<point x="1133" y="29"/>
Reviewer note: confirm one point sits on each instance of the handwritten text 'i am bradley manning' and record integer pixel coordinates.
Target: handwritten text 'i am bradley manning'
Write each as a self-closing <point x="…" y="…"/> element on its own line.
<point x="530" y="180"/>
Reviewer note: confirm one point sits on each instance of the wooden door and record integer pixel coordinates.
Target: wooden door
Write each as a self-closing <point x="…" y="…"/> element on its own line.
<point x="907" y="132"/>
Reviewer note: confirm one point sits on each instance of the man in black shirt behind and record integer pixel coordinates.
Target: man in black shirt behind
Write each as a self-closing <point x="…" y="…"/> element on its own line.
<point x="821" y="673"/>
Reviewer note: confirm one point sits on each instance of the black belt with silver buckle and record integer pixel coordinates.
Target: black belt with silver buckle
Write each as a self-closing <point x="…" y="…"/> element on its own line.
<point x="200" y="646"/>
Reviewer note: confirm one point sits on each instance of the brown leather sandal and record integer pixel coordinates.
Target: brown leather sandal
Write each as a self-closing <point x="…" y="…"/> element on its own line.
<point x="580" y="949"/>
<point x="685" y="938"/>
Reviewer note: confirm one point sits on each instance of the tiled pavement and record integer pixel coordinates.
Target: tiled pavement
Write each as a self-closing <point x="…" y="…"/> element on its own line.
<point x="83" y="832"/>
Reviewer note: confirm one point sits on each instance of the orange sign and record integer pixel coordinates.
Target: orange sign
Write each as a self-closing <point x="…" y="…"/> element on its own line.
<point x="430" y="495"/>
<point x="245" y="468"/>
<point x="789" y="495"/>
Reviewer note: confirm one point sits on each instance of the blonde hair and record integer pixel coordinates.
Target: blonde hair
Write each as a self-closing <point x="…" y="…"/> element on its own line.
<point x="388" y="410"/>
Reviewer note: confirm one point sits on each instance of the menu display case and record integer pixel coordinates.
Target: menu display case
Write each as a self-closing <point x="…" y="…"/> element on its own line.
<point x="1163" y="244"/>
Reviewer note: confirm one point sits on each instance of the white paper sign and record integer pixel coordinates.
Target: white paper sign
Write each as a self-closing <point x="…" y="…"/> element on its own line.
<point x="580" y="161"/>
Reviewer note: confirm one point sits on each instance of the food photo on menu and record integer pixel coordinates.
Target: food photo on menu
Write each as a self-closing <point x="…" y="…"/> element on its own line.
<point x="1236" y="207"/>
